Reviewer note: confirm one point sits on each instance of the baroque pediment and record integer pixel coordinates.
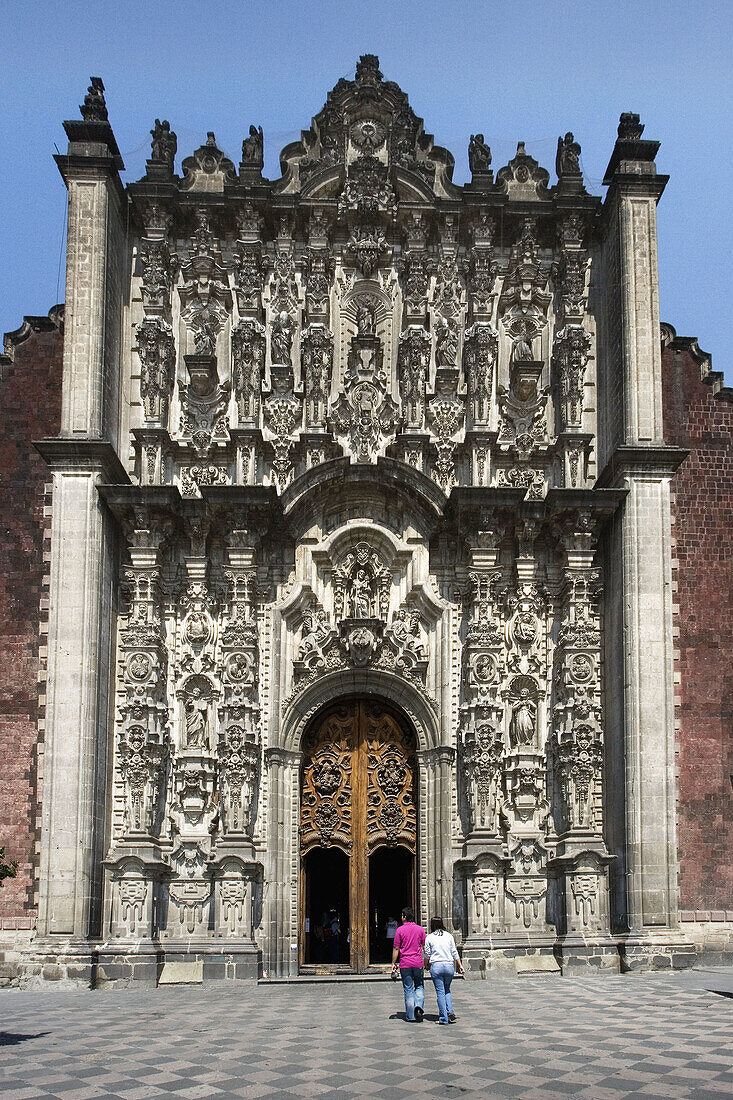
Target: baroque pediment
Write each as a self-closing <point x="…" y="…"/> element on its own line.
<point x="366" y="126"/>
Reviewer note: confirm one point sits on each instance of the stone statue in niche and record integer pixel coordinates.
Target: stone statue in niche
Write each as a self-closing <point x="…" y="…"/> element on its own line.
<point x="446" y="343"/>
<point x="522" y="346"/>
<point x="253" y="148"/>
<point x="205" y="327"/>
<point x="281" y="340"/>
<point x="196" y="708"/>
<point x="361" y="595"/>
<point x="523" y="721"/>
<point x="164" y="143"/>
<point x="365" y="318"/>
<point x="479" y="155"/>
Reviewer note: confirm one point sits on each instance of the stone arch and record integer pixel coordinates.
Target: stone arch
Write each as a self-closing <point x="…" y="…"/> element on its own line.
<point x="405" y="697"/>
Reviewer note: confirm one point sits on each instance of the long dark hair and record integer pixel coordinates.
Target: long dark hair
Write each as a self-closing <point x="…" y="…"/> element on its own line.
<point x="436" y="924"/>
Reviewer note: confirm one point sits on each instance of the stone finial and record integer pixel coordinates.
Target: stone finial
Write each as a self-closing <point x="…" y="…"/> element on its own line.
<point x="629" y="127"/>
<point x="367" y="69"/>
<point x="94" y="108"/>
<point x="632" y="153"/>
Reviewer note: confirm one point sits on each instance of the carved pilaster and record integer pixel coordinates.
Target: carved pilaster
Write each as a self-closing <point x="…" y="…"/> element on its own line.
<point x="143" y="744"/>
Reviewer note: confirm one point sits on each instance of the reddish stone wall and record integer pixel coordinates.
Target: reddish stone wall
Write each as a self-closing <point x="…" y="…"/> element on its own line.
<point x="30" y="407"/>
<point x="698" y="414"/>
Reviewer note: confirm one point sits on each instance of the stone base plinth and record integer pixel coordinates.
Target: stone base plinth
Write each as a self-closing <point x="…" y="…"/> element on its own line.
<point x="663" y="952"/>
<point x="105" y="966"/>
<point x="583" y="955"/>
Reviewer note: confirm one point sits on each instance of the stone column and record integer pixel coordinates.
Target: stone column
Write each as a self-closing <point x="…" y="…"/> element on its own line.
<point x="83" y="551"/>
<point x="640" y="687"/>
<point x="283" y="768"/>
<point x="78" y="701"/>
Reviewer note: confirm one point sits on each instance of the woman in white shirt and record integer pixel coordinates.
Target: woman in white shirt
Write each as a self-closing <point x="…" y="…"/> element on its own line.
<point x="442" y="955"/>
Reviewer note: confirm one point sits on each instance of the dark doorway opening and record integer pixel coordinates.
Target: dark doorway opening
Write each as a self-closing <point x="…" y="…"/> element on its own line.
<point x="391" y="888"/>
<point x="326" y="897"/>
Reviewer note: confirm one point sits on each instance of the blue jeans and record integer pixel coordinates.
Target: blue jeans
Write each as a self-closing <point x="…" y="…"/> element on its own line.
<point x="412" y="984"/>
<point x="442" y="975"/>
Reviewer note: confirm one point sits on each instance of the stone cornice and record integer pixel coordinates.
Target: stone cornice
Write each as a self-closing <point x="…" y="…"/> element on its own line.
<point x="467" y="505"/>
<point x="630" y="461"/>
<point x="70" y="455"/>
<point x="96" y="164"/>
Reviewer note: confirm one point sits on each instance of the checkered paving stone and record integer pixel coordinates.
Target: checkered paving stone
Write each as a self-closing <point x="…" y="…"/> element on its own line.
<point x="650" y="1036"/>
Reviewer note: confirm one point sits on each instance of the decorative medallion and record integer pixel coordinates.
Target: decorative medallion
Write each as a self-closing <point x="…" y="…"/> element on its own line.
<point x="368" y="135"/>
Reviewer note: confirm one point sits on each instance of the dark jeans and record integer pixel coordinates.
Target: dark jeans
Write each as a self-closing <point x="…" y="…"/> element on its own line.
<point x="414" y="990"/>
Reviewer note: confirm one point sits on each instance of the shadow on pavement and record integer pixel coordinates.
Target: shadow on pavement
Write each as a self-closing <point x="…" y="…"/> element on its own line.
<point x="12" y="1038"/>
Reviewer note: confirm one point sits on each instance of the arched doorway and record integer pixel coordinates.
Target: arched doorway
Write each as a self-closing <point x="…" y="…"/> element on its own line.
<point x="358" y="833"/>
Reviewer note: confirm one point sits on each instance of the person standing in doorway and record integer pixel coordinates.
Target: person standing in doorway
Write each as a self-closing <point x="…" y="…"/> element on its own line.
<point x="442" y="955"/>
<point x="407" y="954"/>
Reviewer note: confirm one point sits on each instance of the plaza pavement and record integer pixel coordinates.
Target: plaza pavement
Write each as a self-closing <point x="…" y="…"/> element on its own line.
<point x="651" y="1036"/>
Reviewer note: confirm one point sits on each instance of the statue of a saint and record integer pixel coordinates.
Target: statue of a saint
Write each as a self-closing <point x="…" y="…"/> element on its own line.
<point x="204" y="328"/>
<point x="253" y="148"/>
<point x="522" y="724"/>
<point x="197" y="718"/>
<point x="282" y="338"/>
<point x="164" y="143"/>
<point x="479" y="155"/>
<point x="522" y="349"/>
<point x="365" y="321"/>
<point x="567" y="161"/>
<point x="361" y="595"/>
<point x="446" y="344"/>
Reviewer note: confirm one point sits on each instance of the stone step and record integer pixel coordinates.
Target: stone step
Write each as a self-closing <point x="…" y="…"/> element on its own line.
<point x="324" y="979"/>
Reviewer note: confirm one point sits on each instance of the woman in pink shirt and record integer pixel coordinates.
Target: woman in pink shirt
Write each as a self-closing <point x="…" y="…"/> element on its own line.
<point x="407" y="954"/>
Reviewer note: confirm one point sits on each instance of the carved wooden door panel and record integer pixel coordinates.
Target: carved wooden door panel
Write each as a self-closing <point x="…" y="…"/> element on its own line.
<point x="326" y="811"/>
<point x="390" y="797"/>
<point x="358" y="795"/>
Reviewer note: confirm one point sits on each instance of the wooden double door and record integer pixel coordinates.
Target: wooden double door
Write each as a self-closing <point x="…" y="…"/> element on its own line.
<point x="358" y="834"/>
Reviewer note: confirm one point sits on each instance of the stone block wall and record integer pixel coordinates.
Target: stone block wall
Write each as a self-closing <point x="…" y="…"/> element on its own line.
<point x="30" y="399"/>
<point x="698" y="414"/>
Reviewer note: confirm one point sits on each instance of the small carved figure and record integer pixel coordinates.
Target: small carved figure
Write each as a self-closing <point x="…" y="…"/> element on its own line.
<point x="365" y="320"/>
<point x="479" y="155"/>
<point x="567" y="161"/>
<point x="253" y="148"/>
<point x="405" y="630"/>
<point x="164" y="143"/>
<point x="315" y="631"/>
<point x="446" y="344"/>
<point x="522" y="349"/>
<point x="197" y="719"/>
<point x="282" y="338"/>
<point x="522" y="724"/>
<point x="204" y="330"/>
<point x="361" y="595"/>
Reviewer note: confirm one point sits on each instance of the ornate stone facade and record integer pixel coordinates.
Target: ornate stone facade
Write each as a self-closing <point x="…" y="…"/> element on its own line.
<point x="360" y="431"/>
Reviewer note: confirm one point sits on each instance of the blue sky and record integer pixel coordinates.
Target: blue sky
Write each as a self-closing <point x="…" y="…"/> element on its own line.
<point x="514" y="70"/>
